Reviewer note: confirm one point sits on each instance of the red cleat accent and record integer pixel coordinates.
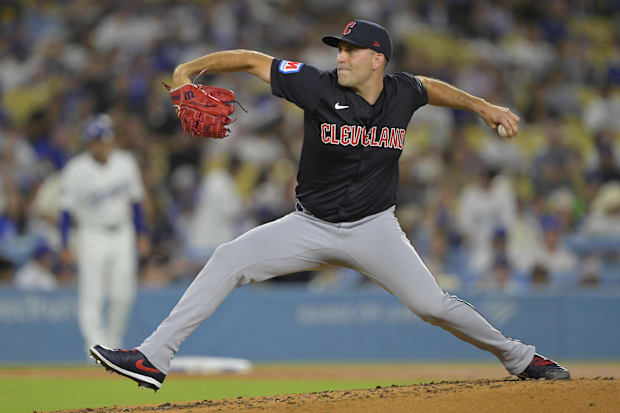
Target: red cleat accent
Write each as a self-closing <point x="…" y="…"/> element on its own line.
<point x="141" y="366"/>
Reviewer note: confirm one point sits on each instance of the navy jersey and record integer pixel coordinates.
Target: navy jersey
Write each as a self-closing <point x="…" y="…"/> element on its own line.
<point x="349" y="159"/>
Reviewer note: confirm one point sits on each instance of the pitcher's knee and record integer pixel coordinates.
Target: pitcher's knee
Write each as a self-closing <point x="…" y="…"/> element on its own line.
<point x="225" y="262"/>
<point x="432" y="311"/>
<point x="430" y="317"/>
<point x="223" y="255"/>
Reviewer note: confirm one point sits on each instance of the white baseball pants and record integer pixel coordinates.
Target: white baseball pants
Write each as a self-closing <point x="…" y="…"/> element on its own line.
<point x="107" y="274"/>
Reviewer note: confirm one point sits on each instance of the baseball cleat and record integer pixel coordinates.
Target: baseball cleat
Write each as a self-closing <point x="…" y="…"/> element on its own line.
<point x="129" y="363"/>
<point x="544" y="368"/>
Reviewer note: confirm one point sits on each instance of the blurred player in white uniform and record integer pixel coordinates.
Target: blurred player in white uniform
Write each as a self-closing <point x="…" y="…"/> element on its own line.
<point x="101" y="196"/>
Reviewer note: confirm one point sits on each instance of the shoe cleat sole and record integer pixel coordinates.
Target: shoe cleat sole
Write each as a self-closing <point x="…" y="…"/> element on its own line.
<point x="148" y="386"/>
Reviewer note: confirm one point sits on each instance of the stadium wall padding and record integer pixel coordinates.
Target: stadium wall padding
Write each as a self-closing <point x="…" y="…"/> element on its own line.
<point x="292" y="324"/>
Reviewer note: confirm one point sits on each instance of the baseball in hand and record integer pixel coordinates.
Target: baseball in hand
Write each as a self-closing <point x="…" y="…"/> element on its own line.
<point x="501" y="131"/>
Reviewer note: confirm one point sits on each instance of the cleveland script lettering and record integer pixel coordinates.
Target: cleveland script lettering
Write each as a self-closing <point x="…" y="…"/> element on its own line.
<point x="354" y="135"/>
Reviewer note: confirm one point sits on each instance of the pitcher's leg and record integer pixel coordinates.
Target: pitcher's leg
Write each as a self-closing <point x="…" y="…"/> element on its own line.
<point x="290" y="244"/>
<point x="382" y="251"/>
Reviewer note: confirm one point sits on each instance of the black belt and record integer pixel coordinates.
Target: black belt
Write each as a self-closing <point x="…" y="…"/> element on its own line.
<point x="300" y="208"/>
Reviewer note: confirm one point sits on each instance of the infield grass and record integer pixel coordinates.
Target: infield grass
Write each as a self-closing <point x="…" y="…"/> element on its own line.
<point x="43" y="394"/>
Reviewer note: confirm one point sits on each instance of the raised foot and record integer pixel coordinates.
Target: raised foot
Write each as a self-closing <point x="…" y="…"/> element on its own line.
<point x="129" y="363"/>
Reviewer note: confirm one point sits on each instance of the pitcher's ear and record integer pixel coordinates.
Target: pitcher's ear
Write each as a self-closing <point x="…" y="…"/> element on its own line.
<point x="379" y="61"/>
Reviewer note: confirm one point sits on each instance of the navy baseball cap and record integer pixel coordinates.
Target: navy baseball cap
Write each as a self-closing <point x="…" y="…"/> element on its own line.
<point x="365" y="34"/>
<point x="98" y="128"/>
<point x="41" y="249"/>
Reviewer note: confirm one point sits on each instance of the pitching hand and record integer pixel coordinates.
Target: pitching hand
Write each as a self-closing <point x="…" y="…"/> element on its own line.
<point x="494" y="116"/>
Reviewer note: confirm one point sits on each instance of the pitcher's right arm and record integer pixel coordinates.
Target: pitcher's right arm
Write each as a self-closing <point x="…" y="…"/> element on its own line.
<point x="255" y="63"/>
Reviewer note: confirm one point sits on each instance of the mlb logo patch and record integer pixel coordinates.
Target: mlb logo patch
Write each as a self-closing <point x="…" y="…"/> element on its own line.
<point x="289" y="67"/>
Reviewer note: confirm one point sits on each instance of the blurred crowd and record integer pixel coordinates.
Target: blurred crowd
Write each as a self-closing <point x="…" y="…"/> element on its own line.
<point x="540" y="212"/>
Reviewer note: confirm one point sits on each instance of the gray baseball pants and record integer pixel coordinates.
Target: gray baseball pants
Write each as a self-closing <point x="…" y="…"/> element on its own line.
<point x="375" y="246"/>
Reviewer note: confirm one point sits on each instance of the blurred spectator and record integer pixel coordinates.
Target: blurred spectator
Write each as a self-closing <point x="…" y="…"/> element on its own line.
<point x="554" y="166"/>
<point x="501" y="277"/>
<point x="444" y="262"/>
<point x="179" y="211"/>
<point x="44" y="209"/>
<point x="217" y="214"/>
<point x="603" y="218"/>
<point x="18" y="157"/>
<point x="37" y="274"/>
<point x="556" y="66"/>
<point x="501" y="154"/>
<point x="603" y="112"/>
<point x="561" y="204"/>
<point x="591" y="274"/>
<point x="539" y="277"/>
<point x="275" y="195"/>
<point x="18" y="240"/>
<point x="6" y="272"/>
<point x="561" y="95"/>
<point x="553" y="255"/>
<point x="484" y="259"/>
<point x="525" y="236"/>
<point x="485" y="204"/>
<point x="605" y="165"/>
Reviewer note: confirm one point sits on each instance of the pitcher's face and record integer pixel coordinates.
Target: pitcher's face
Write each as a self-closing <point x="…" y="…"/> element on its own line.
<point x="355" y="64"/>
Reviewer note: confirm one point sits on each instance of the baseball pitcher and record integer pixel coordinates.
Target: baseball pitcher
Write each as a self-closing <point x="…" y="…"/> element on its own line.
<point x="355" y="119"/>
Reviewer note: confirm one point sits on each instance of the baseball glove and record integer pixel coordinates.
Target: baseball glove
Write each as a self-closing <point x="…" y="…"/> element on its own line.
<point x="203" y="110"/>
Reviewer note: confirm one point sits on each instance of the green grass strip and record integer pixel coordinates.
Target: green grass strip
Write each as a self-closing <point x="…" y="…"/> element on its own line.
<point x="24" y="395"/>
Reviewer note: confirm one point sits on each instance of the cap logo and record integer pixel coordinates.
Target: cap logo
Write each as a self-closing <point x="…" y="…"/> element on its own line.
<point x="376" y="44"/>
<point x="348" y="28"/>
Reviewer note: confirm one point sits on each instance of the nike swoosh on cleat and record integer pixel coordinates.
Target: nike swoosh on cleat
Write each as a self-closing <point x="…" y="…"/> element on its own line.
<point x="339" y="106"/>
<point x="141" y="366"/>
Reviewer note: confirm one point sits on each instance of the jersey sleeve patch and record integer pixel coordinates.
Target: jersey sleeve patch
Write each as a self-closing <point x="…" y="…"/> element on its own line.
<point x="287" y="67"/>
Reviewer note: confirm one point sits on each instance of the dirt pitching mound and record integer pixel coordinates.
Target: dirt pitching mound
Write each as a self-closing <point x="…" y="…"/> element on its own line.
<point x="600" y="394"/>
